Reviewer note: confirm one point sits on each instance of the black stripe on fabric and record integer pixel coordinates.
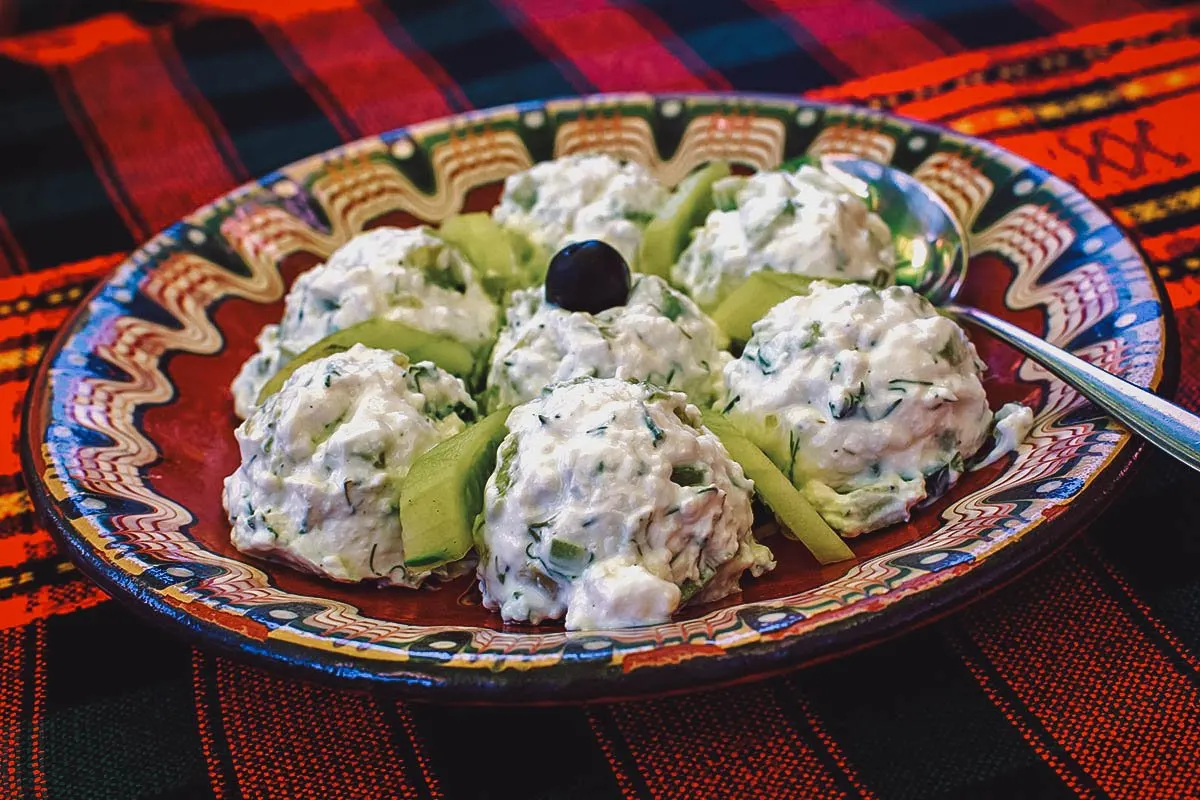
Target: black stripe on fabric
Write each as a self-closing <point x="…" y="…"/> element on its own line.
<point x="1174" y="222"/>
<point x="1154" y="191"/>
<point x="788" y="696"/>
<point x="946" y="720"/>
<point x="178" y="75"/>
<point x="976" y="25"/>
<point x="35" y="15"/>
<point x="1059" y="61"/>
<point x="602" y="718"/>
<point x="479" y="48"/>
<point x="403" y="745"/>
<point x="270" y="117"/>
<point x="206" y="666"/>
<point x="109" y="674"/>
<point x="398" y="36"/>
<point x="50" y="196"/>
<point x="1136" y="615"/>
<point x="1069" y="93"/>
<point x="569" y="763"/>
<point x="970" y="651"/>
<point x="1162" y="505"/>
<point x="548" y="48"/>
<point x="307" y="78"/>
<point x="752" y="51"/>
<point x="1124" y="106"/>
<point x="36" y="574"/>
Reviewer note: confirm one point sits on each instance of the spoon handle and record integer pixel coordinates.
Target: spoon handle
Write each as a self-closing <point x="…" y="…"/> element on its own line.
<point x="1160" y="422"/>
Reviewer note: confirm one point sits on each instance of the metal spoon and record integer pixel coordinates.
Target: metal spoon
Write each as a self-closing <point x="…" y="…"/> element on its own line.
<point x="927" y="232"/>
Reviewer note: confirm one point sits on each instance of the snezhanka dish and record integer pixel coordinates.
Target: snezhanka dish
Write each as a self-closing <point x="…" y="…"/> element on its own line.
<point x="511" y="406"/>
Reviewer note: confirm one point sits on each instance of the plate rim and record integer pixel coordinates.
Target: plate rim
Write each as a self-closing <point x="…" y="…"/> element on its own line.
<point x="426" y="682"/>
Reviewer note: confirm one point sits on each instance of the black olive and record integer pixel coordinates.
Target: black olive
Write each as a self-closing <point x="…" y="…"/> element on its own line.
<point x="587" y="276"/>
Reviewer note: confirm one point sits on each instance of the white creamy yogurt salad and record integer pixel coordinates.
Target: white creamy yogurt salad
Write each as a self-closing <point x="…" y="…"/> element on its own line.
<point x="612" y="505"/>
<point x="868" y="399"/>
<point x="805" y="223"/>
<point x="406" y="275"/>
<point x="321" y="458"/>
<point x="578" y="197"/>
<point x="658" y="336"/>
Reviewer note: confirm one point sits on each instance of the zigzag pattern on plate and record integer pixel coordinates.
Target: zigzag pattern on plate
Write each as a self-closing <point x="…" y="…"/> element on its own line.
<point x="756" y="141"/>
<point x="185" y="285"/>
<point x="870" y="144"/>
<point x="957" y="181"/>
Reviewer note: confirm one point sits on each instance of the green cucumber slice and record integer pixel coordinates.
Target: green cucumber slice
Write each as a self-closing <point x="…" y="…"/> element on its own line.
<point x="667" y="234"/>
<point x="443" y="493"/>
<point x="449" y="354"/>
<point x="504" y="259"/>
<point x="799" y="518"/>
<point x="751" y="301"/>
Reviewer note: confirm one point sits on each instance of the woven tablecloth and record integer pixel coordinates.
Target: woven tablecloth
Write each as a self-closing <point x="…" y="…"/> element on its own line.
<point x="1081" y="678"/>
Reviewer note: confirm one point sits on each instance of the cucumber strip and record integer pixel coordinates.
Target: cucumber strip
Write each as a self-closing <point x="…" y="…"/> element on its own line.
<point x="449" y="354"/>
<point x="760" y="292"/>
<point x="798" y="516"/>
<point x="486" y="246"/>
<point x="442" y="493"/>
<point x="667" y="234"/>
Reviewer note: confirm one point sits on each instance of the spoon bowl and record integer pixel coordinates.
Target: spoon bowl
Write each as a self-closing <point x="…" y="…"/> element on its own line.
<point x="931" y="251"/>
<point x="932" y="257"/>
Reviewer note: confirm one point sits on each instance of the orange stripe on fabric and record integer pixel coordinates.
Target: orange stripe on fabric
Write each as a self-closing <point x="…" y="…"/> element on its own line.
<point x="1119" y="152"/>
<point x="48" y="601"/>
<point x="24" y="546"/>
<point x="1143" y="88"/>
<point x="1168" y="246"/>
<point x="15" y="359"/>
<point x="1049" y="70"/>
<point x="354" y="75"/>
<point x="954" y="67"/>
<point x="11" y="396"/>
<point x="12" y="712"/>
<point x="34" y="284"/>
<point x="162" y="154"/>
<point x="1110" y="698"/>
<point x="272" y="725"/>
<point x="1184" y="292"/>
<point x="690" y="741"/>
<point x="865" y="35"/>
<point x="12" y="504"/>
<point x="34" y="322"/>
<point x="609" y="46"/>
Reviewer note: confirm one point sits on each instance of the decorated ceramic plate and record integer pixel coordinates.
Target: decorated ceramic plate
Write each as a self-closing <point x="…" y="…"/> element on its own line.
<point x="130" y="422"/>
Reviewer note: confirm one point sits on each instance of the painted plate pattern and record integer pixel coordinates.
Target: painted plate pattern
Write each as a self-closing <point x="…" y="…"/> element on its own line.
<point x="113" y="429"/>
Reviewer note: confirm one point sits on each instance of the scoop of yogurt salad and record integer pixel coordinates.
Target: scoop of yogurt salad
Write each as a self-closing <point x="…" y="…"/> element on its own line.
<point x="869" y="400"/>
<point x="321" y="459"/>
<point x="802" y="222"/>
<point x="657" y="335"/>
<point x="579" y="197"/>
<point x="610" y="503"/>
<point x="407" y="275"/>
